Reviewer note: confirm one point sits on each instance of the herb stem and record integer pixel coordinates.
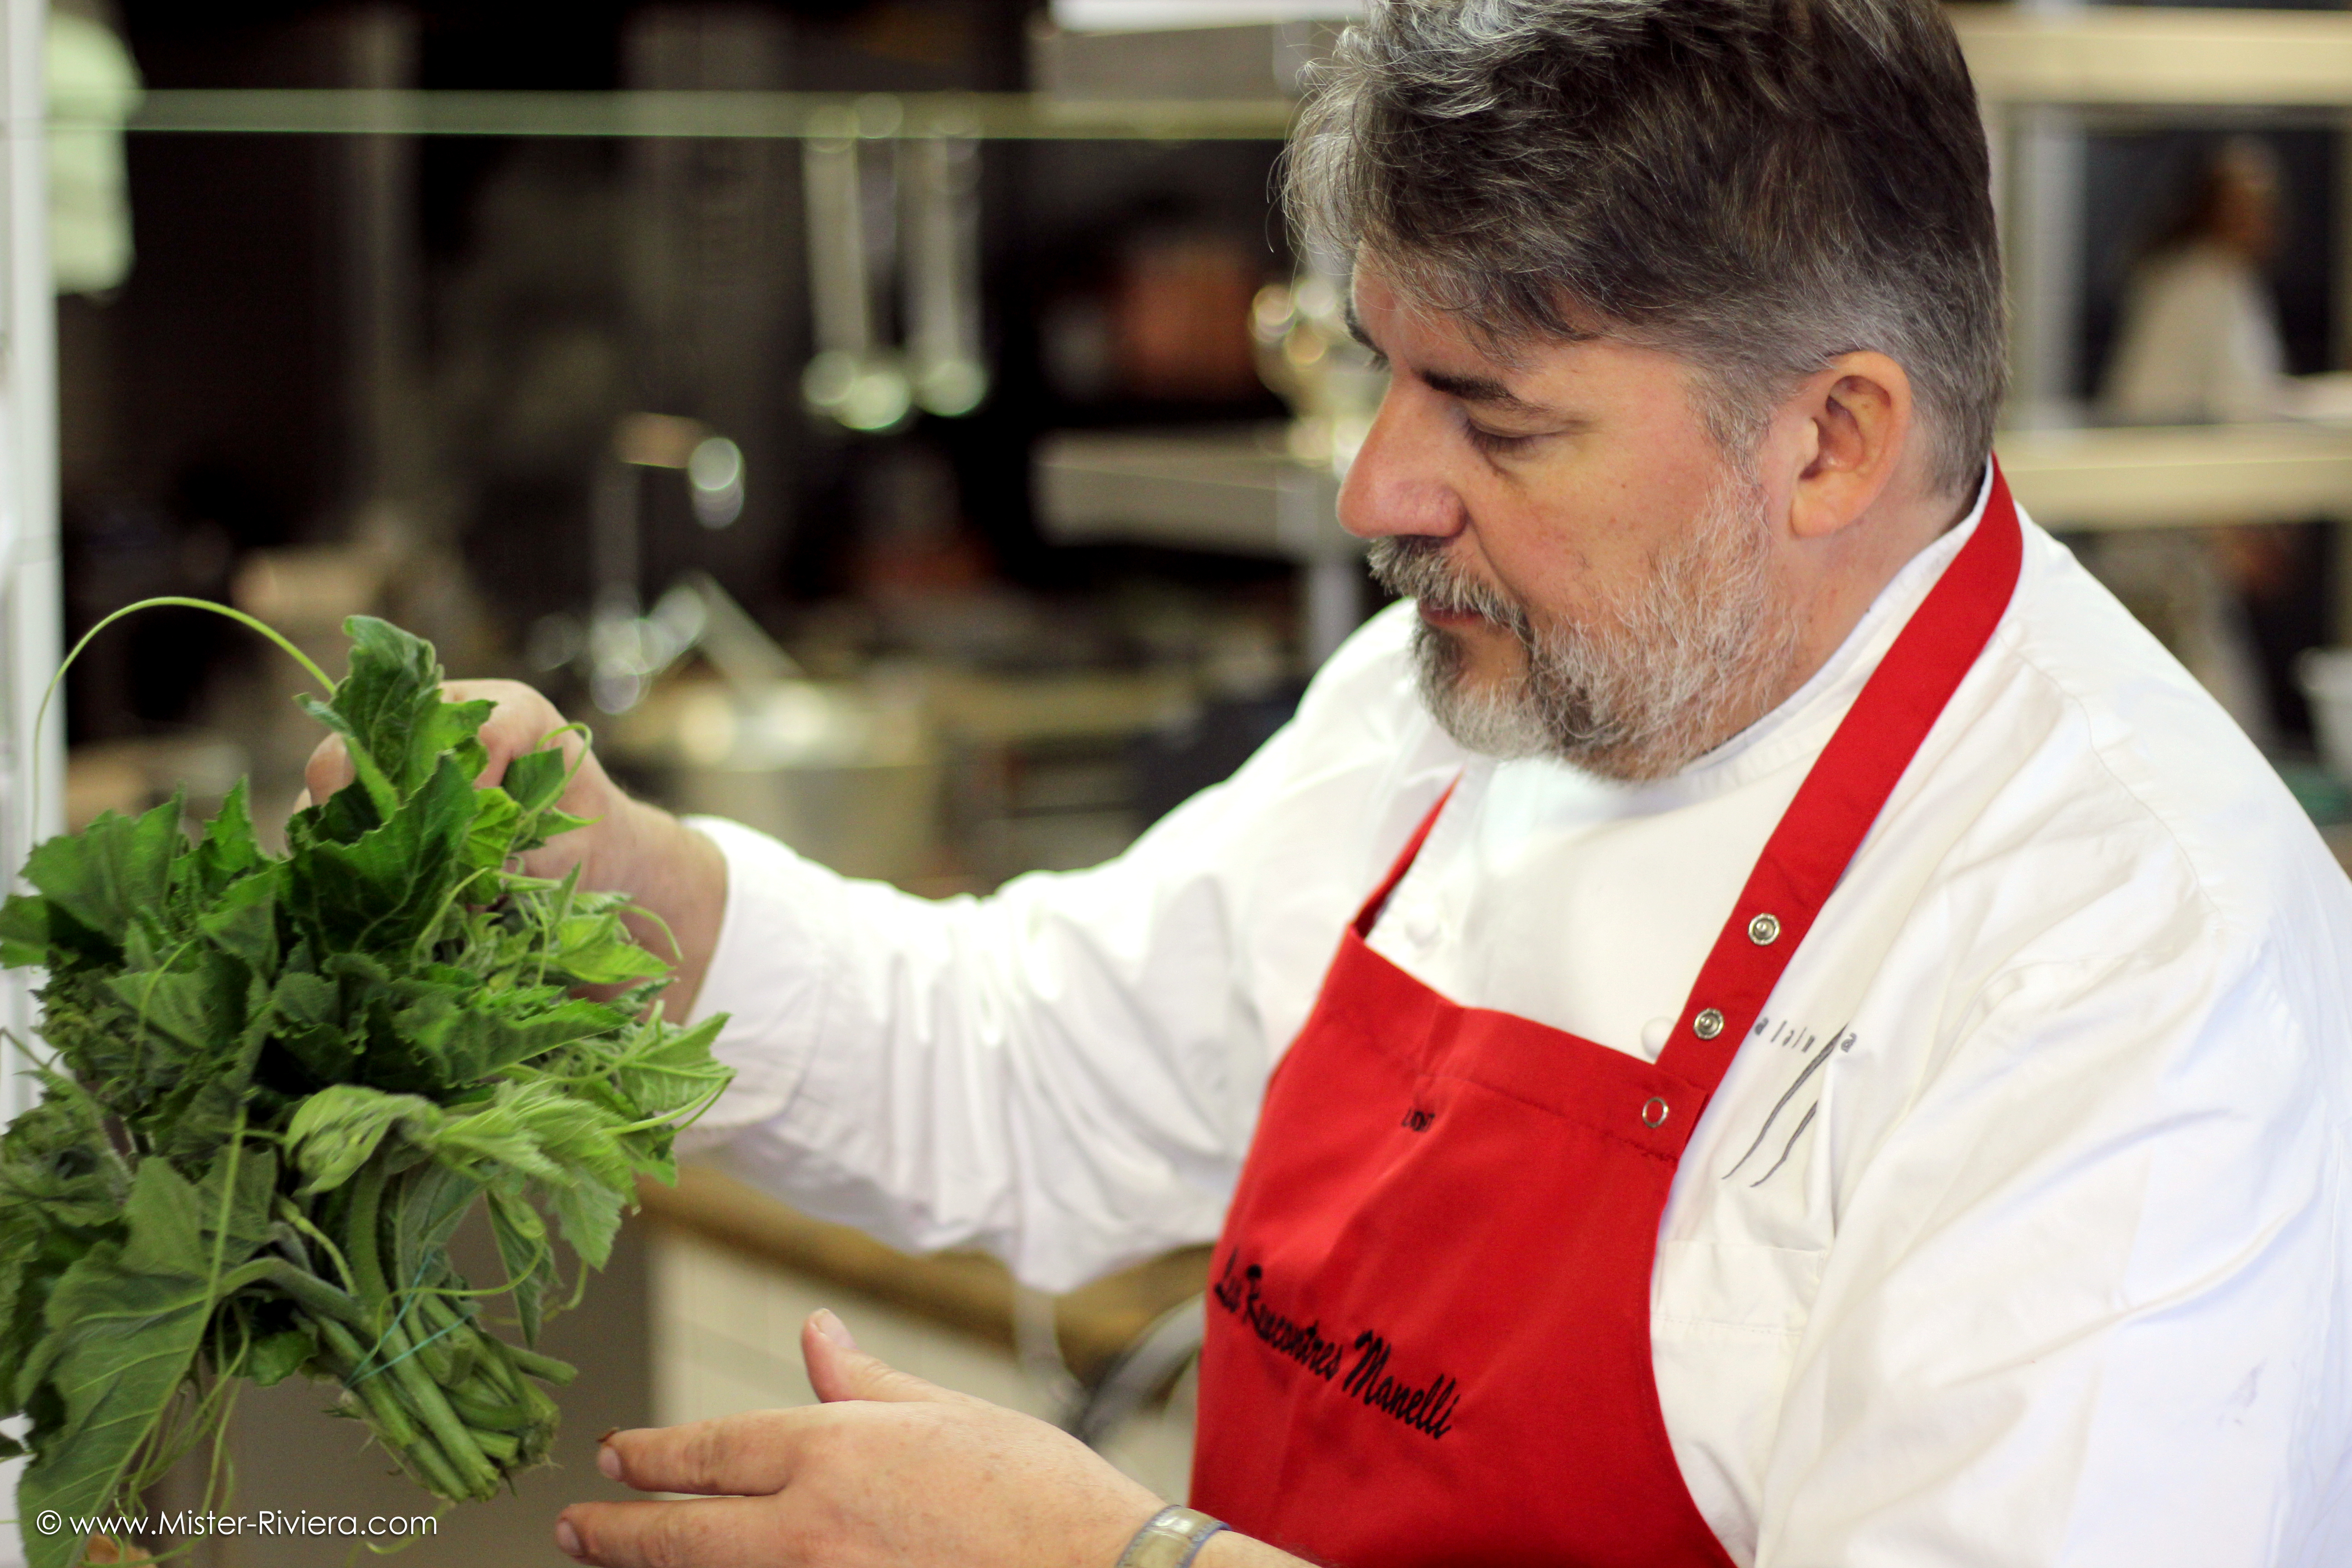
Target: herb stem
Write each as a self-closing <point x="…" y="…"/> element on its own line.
<point x="361" y="1221"/>
<point x="425" y="1398"/>
<point x="321" y="1298"/>
<point x="546" y="1368"/>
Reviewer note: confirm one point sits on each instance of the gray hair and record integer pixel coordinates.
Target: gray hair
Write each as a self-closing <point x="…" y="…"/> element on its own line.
<point x="1759" y="185"/>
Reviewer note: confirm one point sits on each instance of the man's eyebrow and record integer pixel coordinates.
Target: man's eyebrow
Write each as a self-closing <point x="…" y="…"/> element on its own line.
<point x="1483" y="390"/>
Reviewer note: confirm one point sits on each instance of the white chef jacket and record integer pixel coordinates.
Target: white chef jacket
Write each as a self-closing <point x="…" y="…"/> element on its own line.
<point x="2017" y="1233"/>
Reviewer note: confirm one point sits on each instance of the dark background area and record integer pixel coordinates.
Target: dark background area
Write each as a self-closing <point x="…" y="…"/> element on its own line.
<point x="215" y="405"/>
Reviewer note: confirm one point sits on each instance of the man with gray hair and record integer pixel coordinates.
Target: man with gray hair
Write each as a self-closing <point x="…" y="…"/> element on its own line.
<point x="1758" y="1020"/>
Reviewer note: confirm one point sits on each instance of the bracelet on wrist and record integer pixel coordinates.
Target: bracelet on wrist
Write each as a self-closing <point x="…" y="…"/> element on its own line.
<point x="1169" y="1539"/>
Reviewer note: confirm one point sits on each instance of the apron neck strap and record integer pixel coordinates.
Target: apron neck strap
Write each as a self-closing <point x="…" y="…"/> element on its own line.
<point x="1848" y="787"/>
<point x="1367" y="917"/>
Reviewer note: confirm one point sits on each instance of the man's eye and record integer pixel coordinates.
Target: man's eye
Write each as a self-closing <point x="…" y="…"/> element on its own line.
<point x="1494" y="442"/>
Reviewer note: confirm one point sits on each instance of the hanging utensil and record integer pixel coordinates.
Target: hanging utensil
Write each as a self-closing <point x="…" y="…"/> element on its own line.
<point x="852" y="240"/>
<point x="940" y="173"/>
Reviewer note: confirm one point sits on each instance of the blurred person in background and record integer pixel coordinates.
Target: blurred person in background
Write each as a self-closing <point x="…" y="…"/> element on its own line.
<point x="1759" y="1020"/>
<point x="2199" y="344"/>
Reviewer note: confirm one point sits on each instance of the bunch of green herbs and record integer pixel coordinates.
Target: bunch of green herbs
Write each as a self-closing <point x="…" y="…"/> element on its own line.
<point x="274" y="1086"/>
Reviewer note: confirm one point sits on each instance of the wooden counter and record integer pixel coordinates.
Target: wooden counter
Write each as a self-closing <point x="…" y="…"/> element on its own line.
<point x="966" y="1291"/>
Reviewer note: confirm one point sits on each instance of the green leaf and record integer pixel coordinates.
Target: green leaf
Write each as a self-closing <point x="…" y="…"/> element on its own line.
<point x="26" y="942"/>
<point x="667" y="1069"/>
<point x="379" y="893"/>
<point x="336" y="814"/>
<point x="248" y="1211"/>
<point x="199" y="1117"/>
<point x="390" y="708"/>
<point x="57" y="1167"/>
<point x="228" y="849"/>
<point x="427" y="1204"/>
<point x="589" y="1212"/>
<point x="595" y="949"/>
<point x="491" y="1141"/>
<point x="113" y="870"/>
<point x="478" y="1039"/>
<point x="521" y="1236"/>
<point x="275" y="1357"/>
<point x="579" y="1137"/>
<point x="536" y="779"/>
<point x="307" y="1019"/>
<point x="125" y="1323"/>
<point x="343" y="816"/>
<point x="335" y="1132"/>
<point x="243" y="919"/>
<point x="491" y="838"/>
<point x="201" y="1001"/>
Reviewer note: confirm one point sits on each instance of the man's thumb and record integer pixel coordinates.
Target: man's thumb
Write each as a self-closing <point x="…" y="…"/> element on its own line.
<point x="838" y="1370"/>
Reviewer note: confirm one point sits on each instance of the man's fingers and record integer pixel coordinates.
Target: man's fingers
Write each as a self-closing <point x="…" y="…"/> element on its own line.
<point x="722" y="1529"/>
<point x="329" y="770"/>
<point x="838" y="1370"/>
<point x="750" y="1455"/>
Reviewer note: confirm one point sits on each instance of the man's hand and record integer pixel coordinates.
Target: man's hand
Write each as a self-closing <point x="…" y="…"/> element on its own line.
<point x="889" y="1470"/>
<point x="677" y="876"/>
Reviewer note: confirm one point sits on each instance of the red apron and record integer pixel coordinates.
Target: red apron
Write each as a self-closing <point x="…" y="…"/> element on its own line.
<point x="1428" y="1324"/>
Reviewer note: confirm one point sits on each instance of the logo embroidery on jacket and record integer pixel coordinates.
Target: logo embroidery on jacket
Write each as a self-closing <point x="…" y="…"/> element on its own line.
<point x="1806" y="1090"/>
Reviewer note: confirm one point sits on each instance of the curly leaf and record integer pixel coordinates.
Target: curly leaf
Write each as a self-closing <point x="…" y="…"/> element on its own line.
<point x="335" y="1132"/>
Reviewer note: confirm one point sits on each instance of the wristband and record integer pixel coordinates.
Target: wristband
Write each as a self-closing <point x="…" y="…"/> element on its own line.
<point x="1169" y="1539"/>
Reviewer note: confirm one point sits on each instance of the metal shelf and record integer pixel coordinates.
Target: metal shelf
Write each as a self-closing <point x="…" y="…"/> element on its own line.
<point x="2151" y="55"/>
<point x="1232" y="491"/>
<point x="740" y="116"/>
<point x="2180" y="477"/>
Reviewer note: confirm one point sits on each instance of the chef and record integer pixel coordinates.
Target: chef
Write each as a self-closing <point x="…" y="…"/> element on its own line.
<point x="1757" y="1019"/>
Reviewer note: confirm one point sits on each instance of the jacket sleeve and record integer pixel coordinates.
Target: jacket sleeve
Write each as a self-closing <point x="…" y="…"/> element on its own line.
<point x="1065" y="1073"/>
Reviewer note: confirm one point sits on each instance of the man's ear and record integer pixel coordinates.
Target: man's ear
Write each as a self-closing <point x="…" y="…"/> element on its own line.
<point x="1853" y="419"/>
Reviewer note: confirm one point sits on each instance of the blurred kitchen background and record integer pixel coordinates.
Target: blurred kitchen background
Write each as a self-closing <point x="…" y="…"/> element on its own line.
<point x="904" y="425"/>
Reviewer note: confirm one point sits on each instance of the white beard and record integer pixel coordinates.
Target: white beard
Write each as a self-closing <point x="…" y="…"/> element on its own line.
<point x="1638" y="689"/>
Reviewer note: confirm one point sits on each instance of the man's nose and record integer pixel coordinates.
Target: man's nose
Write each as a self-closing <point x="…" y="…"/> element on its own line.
<point x="1397" y="483"/>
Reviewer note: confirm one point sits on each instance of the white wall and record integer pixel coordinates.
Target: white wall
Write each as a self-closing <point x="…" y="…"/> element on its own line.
<point x="32" y="766"/>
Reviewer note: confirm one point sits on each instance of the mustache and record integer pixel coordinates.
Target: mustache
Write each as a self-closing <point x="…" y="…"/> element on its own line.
<point x="1415" y="566"/>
